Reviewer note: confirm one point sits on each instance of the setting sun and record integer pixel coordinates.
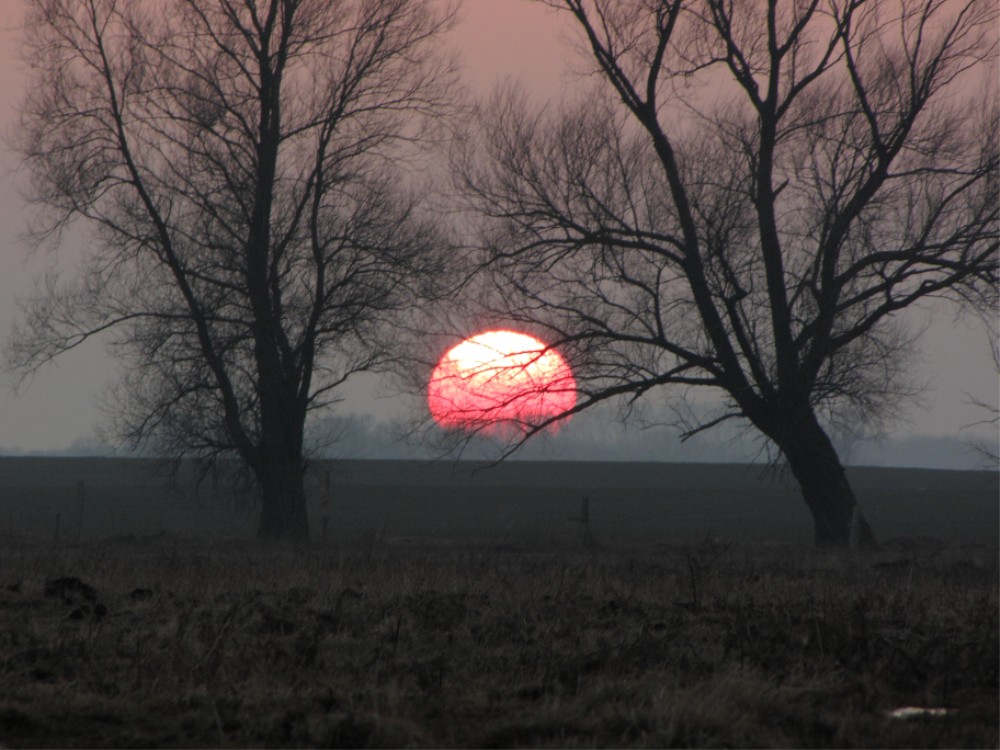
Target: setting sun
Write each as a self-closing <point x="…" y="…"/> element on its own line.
<point x="497" y="379"/>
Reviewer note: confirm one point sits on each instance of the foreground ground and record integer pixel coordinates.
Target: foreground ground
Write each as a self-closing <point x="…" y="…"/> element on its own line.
<point x="162" y="642"/>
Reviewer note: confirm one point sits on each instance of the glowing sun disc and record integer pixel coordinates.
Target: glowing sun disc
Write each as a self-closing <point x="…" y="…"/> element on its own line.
<point x="500" y="378"/>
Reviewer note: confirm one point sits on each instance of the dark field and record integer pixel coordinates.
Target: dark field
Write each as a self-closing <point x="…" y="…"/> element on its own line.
<point x="439" y="607"/>
<point x="517" y="502"/>
<point x="165" y="642"/>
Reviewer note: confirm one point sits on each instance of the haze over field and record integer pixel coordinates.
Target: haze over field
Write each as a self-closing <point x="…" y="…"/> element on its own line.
<point x="497" y="39"/>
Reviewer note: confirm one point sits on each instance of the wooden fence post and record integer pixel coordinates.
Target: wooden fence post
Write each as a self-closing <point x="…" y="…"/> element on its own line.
<point x="854" y="533"/>
<point x="81" y="507"/>
<point x="326" y="503"/>
<point x="584" y="519"/>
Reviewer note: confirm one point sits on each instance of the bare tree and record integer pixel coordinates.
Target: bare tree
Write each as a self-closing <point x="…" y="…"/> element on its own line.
<point x="746" y="202"/>
<point x="986" y="448"/>
<point x="241" y="165"/>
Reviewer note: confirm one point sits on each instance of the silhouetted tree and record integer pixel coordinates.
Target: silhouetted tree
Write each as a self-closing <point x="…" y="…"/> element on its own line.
<point x="241" y="165"/>
<point x="749" y="198"/>
<point x="986" y="448"/>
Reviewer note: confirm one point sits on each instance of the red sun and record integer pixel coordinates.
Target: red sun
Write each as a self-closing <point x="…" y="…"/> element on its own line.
<point x="497" y="379"/>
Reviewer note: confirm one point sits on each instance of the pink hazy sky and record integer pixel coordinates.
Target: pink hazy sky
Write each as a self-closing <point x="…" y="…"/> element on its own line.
<point x="496" y="40"/>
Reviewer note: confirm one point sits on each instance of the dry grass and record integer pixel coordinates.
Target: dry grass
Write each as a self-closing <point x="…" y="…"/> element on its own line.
<point x="180" y="643"/>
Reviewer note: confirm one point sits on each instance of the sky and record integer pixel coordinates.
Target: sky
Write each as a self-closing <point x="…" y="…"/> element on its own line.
<point x="497" y="40"/>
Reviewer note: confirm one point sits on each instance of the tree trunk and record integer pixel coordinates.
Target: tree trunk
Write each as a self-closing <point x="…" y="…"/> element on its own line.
<point x="283" y="497"/>
<point x="837" y="518"/>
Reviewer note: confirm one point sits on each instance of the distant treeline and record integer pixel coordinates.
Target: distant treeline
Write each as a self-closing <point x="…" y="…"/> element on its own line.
<point x="596" y="437"/>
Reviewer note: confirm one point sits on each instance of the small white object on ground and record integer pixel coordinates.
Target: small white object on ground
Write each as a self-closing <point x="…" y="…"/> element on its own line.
<point x="910" y="712"/>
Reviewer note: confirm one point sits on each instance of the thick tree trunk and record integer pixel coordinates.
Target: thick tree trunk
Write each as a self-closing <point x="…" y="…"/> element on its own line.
<point x="837" y="518"/>
<point x="277" y="458"/>
<point x="283" y="498"/>
<point x="280" y="472"/>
